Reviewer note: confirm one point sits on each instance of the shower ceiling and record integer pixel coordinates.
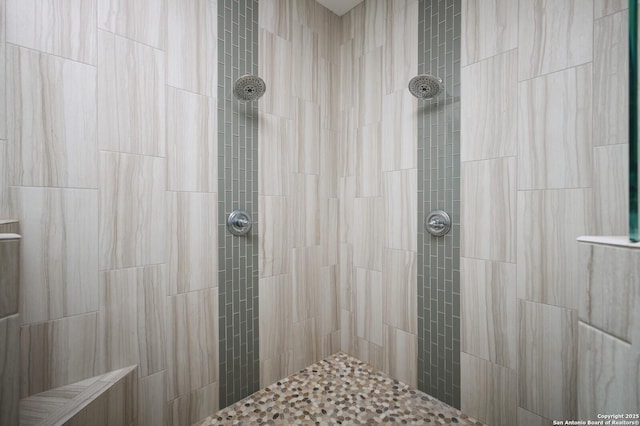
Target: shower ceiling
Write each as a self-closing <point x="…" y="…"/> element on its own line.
<point x="339" y="7"/>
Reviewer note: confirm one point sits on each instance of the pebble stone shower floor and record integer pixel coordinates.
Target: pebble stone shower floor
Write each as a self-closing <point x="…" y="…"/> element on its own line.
<point x="339" y="390"/>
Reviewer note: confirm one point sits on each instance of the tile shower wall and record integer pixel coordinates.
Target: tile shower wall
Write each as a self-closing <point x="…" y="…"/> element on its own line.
<point x="377" y="185"/>
<point x="111" y="166"/>
<point x="238" y="307"/>
<point x="544" y="158"/>
<point x="298" y="191"/>
<point x="439" y="29"/>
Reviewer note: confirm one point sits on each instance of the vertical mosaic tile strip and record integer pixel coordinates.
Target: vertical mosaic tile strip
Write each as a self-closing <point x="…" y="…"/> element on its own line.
<point x="439" y="30"/>
<point x="237" y="189"/>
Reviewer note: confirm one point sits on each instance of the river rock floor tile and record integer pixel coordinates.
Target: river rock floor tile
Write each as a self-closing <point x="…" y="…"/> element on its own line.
<point x="339" y="390"/>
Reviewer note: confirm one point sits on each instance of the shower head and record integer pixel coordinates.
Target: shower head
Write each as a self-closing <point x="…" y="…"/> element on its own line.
<point x="425" y="86"/>
<point x="249" y="87"/>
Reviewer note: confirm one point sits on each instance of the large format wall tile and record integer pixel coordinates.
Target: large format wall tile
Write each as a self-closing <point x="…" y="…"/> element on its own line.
<point x="192" y="149"/>
<point x="611" y="79"/>
<point x="401" y="45"/>
<point x="608" y="380"/>
<point x="489" y="120"/>
<point x="370" y="87"/>
<point x="307" y="147"/>
<point x="488" y="191"/>
<point x="59" y="252"/>
<point x="193" y="407"/>
<point x="553" y="35"/>
<point x="131" y="319"/>
<point x="401" y="227"/>
<point x="489" y="391"/>
<point x="607" y="7"/>
<point x="132" y="210"/>
<point x="489" y="28"/>
<point x="305" y="272"/>
<point x="5" y="198"/>
<point x="151" y="399"/>
<point x="52" y="120"/>
<point x="399" y="127"/>
<point x="399" y="288"/>
<point x="609" y="295"/>
<point x="56" y="353"/>
<point x="275" y="65"/>
<point x="274" y="236"/>
<point x="275" y="322"/>
<point x="277" y="140"/>
<point x="368" y="161"/>
<point x="528" y="418"/>
<point x="131" y="96"/>
<point x="304" y="45"/>
<point x="489" y="321"/>
<point x="368" y="214"/>
<point x="192" y="241"/>
<point x="305" y="226"/>
<point x="611" y="189"/>
<point x="192" y="46"/>
<point x="192" y="341"/>
<point x="368" y="301"/>
<point x="547" y="360"/>
<point x="550" y="266"/>
<point x="9" y="362"/>
<point x="9" y="276"/>
<point x="62" y="28"/>
<point x="400" y="355"/>
<point x="554" y="132"/>
<point x="141" y="20"/>
<point x="3" y="78"/>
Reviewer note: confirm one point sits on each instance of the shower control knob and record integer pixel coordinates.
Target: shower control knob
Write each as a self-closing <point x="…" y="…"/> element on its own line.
<point x="437" y="223"/>
<point x="239" y="222"/>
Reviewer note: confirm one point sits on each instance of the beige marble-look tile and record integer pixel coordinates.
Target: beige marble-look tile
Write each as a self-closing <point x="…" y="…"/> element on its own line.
<point x="305" y="202"/>
<point x="528" y="418"/>
<point x="3" y="78"/>
<point x="400" y="46"/>
<point x="275" y="153"/>
<point x="131" y="96"/>
<point x="328" y="72"/>
<point x="610" y="189"/>
<point x="488" y="391"/>
<point x="489" y="128"/>
<point x="346" y="274"/>
<point x="608" y="296"/>
<point x="192" y="44"/>
<point x="488" y="28"/>
<point x="132" y="210"/>
<point x="144" y="21"/>
<point x="329" y="148"/>
<point x="56" y="353"/>
<point x="607" y="374"/>
<point x="66" y="29"/>
<point x="399" y="127"/>
<point x="399" y="289"/>
<point x="306" y="147"/>
<point x="9" y="276"/>
<point x="400" y="353"/>
<point x="368" y="301"/>
<point x="611" y="79"/>
<point x="275" y="17"/>
<point x="5" y="179"/>
<point x="276" y="316"/>
<point x="554" y="131"/>
<point x="305" y="343"/>
<point x="489" y="229"/>
<point x="9" y="363"/>
<point x="192" y="148"/>
<point x="553" y="35"/>
<point x="370" y="87"/>
<point x="151" y="399"/>
<point x="348" y="83"/>
<point x="194" y="407"/>
<point x="375" y="16"/>
<point x="59" y="252"/>
<point x="131" y="319"/>
<point x="400" y="195"/>
<point x="305" y="274"/>
<point x="274" y="240"/>
<point x="329" y="235"/>
<point x="192" y="342"/>
<point x="304" y="48"/>
<point x="51" y="120"/>
<point x="274" y="369"/>
<point x="368" y="161"/>
<point x="607" y="7"/>
<point x="328" y="310"/>
<point x="368" y="233"/>
<point x="550" y="267"/>
<point x="547" y="360"/>
<point x="346" y="209"/>
<point x="488" y="311"/>
<point x="192" y="241"/>
<point x="275" y="67"/>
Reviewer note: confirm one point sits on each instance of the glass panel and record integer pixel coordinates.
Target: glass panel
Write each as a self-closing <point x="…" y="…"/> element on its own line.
<point x="633" y="121"/>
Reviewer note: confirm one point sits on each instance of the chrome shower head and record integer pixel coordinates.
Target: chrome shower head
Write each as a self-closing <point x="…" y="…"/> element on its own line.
<point x="425" y="86"/>
<point x="249" y="87"/>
